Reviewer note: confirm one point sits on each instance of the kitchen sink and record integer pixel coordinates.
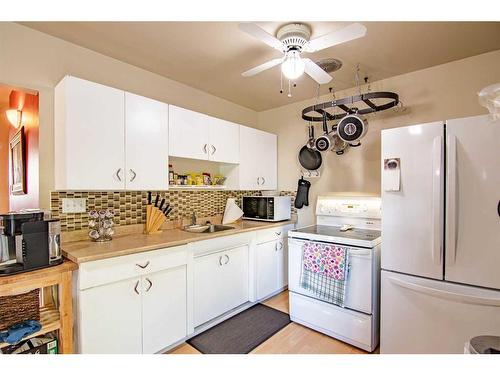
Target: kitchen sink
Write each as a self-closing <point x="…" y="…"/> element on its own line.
<point x="208" y="228"/>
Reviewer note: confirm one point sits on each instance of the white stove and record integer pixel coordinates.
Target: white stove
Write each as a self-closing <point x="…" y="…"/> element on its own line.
<point x="353" y="223"/>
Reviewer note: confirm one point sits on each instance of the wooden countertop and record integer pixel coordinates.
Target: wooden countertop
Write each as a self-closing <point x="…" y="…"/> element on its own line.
<point x="88" y="251"/>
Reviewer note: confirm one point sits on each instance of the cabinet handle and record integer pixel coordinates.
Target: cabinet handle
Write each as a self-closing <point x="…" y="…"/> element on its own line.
<point x="276" y="246"/>
<point x="205" y="148"/>
<point x="263" y="180"/>
<point x="117" y="174"/>
<point x="150" y="284"/>
<point x="141" y="266"/>
<point x="278" y="233"/>
<point x="220" y="260"/>
<point x="134" y="175"/>
<point x="213" y="149"/>
<point x="258" y="180"/>
<point x="227" y="256"/>
<point x="281" y="246"/>
<point x="136" y="286"/>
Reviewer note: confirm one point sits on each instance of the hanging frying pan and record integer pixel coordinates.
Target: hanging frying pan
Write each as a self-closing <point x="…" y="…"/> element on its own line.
<point x="309" y="158"/>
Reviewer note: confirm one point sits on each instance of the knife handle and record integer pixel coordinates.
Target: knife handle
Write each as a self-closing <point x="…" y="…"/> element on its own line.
<point x="161" y="204"/>
<point x="156" y="199"/>
<point x="168" y="211"/>
<point x="149" y="197"/>
<point x="167" y="206"/>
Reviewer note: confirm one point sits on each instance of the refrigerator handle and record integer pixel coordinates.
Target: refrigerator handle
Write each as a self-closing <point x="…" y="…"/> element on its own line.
<point x="437" y="194"/>
<point x="445" y="294"/>
<point x="451" y="201"/>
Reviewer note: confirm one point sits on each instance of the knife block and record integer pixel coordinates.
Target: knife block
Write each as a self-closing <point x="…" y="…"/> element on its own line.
<point x="154" y="219"/>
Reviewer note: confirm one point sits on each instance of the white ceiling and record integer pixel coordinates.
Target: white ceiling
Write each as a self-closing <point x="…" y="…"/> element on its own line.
<point x="211" y="56"/>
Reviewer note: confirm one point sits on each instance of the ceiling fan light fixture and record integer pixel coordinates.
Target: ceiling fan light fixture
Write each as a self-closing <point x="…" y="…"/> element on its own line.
<point x="293" y="66"/>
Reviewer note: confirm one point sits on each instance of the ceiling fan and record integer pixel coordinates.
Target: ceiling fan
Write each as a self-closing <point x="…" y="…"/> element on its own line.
<point x="293" y="40"/>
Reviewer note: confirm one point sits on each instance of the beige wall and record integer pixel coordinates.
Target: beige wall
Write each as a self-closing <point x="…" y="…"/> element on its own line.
<point x="37" y="61"/>
<point x="438" y="93"/>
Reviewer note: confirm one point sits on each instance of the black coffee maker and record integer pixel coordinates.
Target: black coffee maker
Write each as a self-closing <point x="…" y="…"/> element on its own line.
<point x="28" y="242"/>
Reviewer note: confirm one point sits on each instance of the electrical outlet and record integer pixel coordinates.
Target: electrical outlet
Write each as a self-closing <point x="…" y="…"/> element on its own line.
<point x="74" y="205"/>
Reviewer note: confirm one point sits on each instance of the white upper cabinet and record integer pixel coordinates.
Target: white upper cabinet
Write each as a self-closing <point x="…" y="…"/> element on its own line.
<point x="194" y="135"/>
<point x="89" y="136"/>
<point x="258" y="168"/>
<point x="146" y="143"/>
<point x="224" y="141"/>
<point x="188" y="133"/>
<point x="107" y="139"/>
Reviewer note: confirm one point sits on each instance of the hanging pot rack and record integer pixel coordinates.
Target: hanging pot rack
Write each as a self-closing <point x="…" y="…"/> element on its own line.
<point x="348" y="105"/>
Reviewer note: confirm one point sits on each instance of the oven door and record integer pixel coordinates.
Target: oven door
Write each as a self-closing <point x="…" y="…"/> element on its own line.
<point x="256" y="208"/>
<point x="360" y="281"/>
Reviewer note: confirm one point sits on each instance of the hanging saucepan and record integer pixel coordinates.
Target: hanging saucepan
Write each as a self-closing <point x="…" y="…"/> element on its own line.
<point x="309" y="158"/>
<point x="339" y="146"/>
<point x="351" y="129"/>
<point x="324" y="142"/>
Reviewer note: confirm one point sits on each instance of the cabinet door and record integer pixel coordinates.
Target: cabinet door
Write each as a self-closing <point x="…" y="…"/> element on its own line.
<point x="224" y="140"/>
<point x="282" y="263"/>
<point x="89" y="136"/>
<point x="146" y="143"/>
<point x="109" y="318"/>
<point x="258" y="159"/>
<point x="268" y="162"/>
<point x="164" y="312"/>
<point x="220" y="283"/>
<point x="188" y="133"/>
<point x="267" y="268"/>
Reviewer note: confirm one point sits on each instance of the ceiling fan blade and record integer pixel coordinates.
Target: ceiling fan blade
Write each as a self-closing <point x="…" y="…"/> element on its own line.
<point x="260" y="68"/>
<point x="353" y="31"/>
<point x="261" y="34"/>
<point x="315" y="72"/>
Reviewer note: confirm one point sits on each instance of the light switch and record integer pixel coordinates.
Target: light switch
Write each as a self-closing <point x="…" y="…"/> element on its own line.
<point x="74" y="205"/>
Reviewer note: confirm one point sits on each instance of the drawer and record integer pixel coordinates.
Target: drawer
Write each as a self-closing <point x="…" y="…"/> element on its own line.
<point x="271" y="234"/>
<point x="91" y="274"/>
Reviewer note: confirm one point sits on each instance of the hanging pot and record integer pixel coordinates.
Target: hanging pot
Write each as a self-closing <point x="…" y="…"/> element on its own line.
<point x="339" y="146"/>
<point x="351" y="129"/>
<point x="324" y="142"/>
<point x="309" y="158"/>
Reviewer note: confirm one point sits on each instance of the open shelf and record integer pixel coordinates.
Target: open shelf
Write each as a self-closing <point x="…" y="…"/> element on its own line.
<point x="49" y="318"/>
<point x="197" y="187"/>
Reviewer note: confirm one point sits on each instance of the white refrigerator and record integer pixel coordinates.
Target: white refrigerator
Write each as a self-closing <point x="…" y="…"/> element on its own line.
<point x="440" y="283"/>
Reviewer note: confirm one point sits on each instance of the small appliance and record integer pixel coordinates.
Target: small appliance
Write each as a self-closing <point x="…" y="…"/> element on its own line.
<point x="353" y="224"/>
<point x="28" y="241"/>
<point x="266" y="208"/>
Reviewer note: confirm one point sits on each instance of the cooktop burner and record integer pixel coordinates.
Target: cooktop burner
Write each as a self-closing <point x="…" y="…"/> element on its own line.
<point x="334" y="232"/>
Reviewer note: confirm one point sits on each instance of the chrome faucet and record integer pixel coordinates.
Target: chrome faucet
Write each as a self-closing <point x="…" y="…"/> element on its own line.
<point x="193" y="218"/>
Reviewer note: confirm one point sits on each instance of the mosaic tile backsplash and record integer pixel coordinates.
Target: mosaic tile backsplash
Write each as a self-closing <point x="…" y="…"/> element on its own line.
<point x="130" y="206"/>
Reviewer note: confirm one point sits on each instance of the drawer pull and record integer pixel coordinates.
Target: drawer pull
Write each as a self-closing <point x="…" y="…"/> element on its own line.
<point x="150" y="284"/>
<point x="278" y="233"/>
<point x="136" y="286"/>
<point x="141" y="266"/>
<point x="220" y="260"/>
<point x="227" y="256"/>
<point x="281" y="246"/>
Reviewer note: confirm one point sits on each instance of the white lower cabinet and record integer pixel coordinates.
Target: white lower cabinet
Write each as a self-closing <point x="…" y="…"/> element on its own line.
<point x="109" y="320"/>
<point x="132" y="304"/>
<point x="221" y="283"/>
<point x="163" y="309"/>
<point x="271" y="263"/>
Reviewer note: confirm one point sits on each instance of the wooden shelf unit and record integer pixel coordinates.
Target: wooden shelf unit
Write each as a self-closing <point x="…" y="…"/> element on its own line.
<point x="51" y="318"/>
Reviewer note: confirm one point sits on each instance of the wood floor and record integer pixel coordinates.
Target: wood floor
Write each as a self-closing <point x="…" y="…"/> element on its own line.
<point x="293" y="339"/>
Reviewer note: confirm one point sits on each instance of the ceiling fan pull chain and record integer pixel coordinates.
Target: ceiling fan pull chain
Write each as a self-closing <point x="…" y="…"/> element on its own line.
<point x="356" y="77"/>
<point x="281" y="81"/>
<point x="289" y="88"/>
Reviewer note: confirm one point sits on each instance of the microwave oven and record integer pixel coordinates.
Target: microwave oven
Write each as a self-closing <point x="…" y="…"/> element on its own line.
<point x="266" y="208"/>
